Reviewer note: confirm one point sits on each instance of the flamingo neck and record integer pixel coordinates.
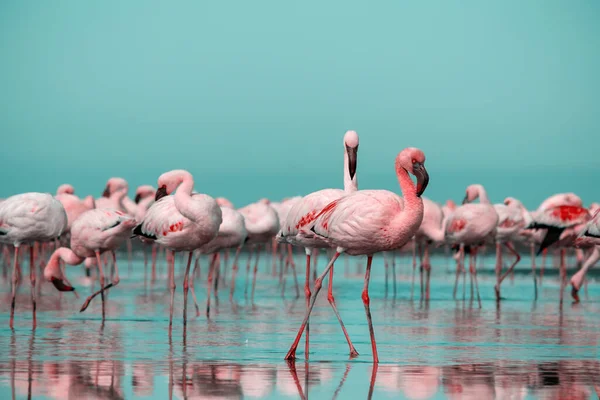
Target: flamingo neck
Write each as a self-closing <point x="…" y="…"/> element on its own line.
<point x="350" y="184"/>
<point x="482" y="194"/>
<point x="183" y="197"/>
<point x="62" y="253"/>
<point x="407" y="222"/>
<point x="577" y="279"/>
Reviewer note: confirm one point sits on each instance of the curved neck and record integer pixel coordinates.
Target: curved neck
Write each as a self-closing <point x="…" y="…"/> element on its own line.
<point x="591" y="260"/>
<point x="62" y="253"/>
<point x="183" y="197"/>
<point x="482" y="194"/>
<point x="350" y="184"/>
<point x="407" y="222"/>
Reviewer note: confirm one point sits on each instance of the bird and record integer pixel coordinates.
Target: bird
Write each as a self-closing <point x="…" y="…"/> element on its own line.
<point x="183" y="222"/>
<point x="73" y="205"/>
<point x="112" y="199"/>
<point x="262" y="224"/>
<point x="305" y="210"/>
<point x="510" y="223"/>
<point x="470" y="225"/>
<point x="232" y="234"/>
<point x="430" y="230"/>
<point x="283" y="208"/>
<point x="24" y="219"/>
<point x="366" y="222"/>
<point x="93" y="233"/>
<point x="589" y="237"/>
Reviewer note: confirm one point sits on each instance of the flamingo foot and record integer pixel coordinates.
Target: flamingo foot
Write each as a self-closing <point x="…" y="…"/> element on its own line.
<point x="575" y="295"/>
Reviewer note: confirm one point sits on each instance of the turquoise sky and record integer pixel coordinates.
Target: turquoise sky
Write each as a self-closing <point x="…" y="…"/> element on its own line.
<point x="253" y="98"/>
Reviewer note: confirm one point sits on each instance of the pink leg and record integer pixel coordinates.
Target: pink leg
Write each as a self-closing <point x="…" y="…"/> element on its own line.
<point x="274" y="246"/>
<point x="414" y="265"/>
<point x="293" y="265"/>
<point x="14" y="286"/>
<point x="366" y="302"/>
<point x="186" y="286"/>
<point x="191" y="284"/>
<point x="217" y="273"/>
<point x="331" y="299"/>
<point x="307" y="296"/>
<point x="563" y="273"/>
<point x="498" y="269"/>
<point x="473" y="270"/>
<point x="225" y="265"/>
<point x="248" y="270"/>
<point x="209" y="282"/>
<point x="427" y="266"/>
<point x="510" y="247"/>
<point x="103" y="288"/>
<point x="172" y="287"/>
<point x="291" y="354"/>
<point x="234" y="269"/>
<point x="153" y="277"/>
<point x="544" y="254"/>
<point x="32" y="268"/>
<point x="532" y="255"/>
<point x="315" y="259"/>
<point x="258" y="248"/>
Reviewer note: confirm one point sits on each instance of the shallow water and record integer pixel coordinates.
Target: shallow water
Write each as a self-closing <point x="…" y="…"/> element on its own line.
<point x="445" y="348"/>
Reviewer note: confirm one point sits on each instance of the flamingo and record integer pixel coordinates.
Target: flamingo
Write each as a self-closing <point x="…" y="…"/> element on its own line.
<point x="24" y="219"/>
<point x="283" y="209"/>
<point x="93" y="233"/>
<point x="111" y="197"/>
<point x="588" y="237"/>
<point x="144" y="198"/>
<point x="305" y="211"/>
<point x="366" y="222"/>
<point x="183" y="222"/>
<point x="562" y="224"/>
<point x="73" y="205"/>
<point x="430" y="230"/>
<point x="471" y="225"/>
<point x="223" y="202"/>
<point x="262" y="225"/>
<point x="510" y="223"/>
<point x="232" y="234"/>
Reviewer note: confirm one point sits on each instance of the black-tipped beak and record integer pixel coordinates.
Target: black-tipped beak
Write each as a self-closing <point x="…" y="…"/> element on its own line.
<point x="137" y="199"/>
<point x="106" y="192"/>
<point x="422" y="178"/>
<point x="160" y="193"/>
<point x="61" y="285"/>
<point x="466" y="199"/>
<point x="352" y="160"/>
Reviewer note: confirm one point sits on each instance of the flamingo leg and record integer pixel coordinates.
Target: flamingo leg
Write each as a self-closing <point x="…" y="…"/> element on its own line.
<point x="172" y="287"/>
<point x="192" y="289"/>
<point x="225" y="265"/>
<point x="498" y="269"/>
<point x="274" y="248"/>
<point x="154" y="250"/>
<point x="307" y="296"/>
<point x="315" y="259"/>
<point x="393" y="271"/>
<point x="366" y="302"/>
<point x="248" y="270"/>
<point x="532" y="255"/>
<point x="331" y="299"/>
<point x="544" y="254"/>
<point x="101" y="291"/>
<point x="234" y="270"/>
<point x="217" y="269"/>
<point x="291" y="354"/>
<point x="457" y="259"/>
<point x="563" y="273"/>
<point x="510" y="247"/>
<point x="387" y="267"/>
<point x="463" y="269"/>
<point x="293" y="265"/>
<point x="414" y="265"/>
<point x="427" y="266"/>
<point x="258" y="248"/>
<point x="420" y="253"/>
<point x="186" y="286"/>
<point x="473" y="270"/>
<point x="211" y="269"/>
<point x="14" y="286"/>
<point x="32" y="268"/>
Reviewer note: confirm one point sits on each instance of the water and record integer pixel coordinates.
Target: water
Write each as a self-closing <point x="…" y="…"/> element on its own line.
<point x="447" y="348"/>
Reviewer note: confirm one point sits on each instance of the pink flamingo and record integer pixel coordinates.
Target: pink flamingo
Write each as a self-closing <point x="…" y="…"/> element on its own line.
<point x="305" y="211"/>
<point x="430" y="230"/>
<point x="589" y="237"/>
<point x="262" y="225"/>
<point x="510" y="224"/>
<point x="562" y="224"/>
<point x="183" y="222"/>
<point x="111" y="197"/>
<point x="367" y="222"/>
<point x="232" y="234"/>
<point x="24" y="219"/>
<point x="471" y="225"/>
<point x="93" y="233"/>
<point x="73" y="205"/>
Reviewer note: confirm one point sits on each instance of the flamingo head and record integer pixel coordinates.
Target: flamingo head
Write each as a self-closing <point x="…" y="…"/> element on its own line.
<point x="223" y="202"/>
<point x="114" y="185"/>
<point x="351" y="146"/>
<point x="53" y="273"/>
<point x="144" y="191"/>
<point x="65" y="189"/>
<point x="413" y="161"/>
<point x="169" y="181"/>
<point x="472" y="193"/>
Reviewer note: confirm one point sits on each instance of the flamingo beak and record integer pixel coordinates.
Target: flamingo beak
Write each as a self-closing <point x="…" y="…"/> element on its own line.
<point x="575" y="294"/>
<point x="422" y="178"/>
<point x="61" y="285"/>
<point x="160" y="193"/>
<point x="137" y="199"/>
<point x="352" y="160"/>
<point x="466" y="199"/>
<point x="106" y="192"/>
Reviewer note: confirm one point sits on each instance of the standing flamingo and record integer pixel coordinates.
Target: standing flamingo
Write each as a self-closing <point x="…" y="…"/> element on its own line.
<point x="183" y="222"/>
<point x="366" y="222"/>
<point x="232" y="234"/>
<point x="93" y="233"/>
<point x="471" y="225"/>
<point x="305" y="211"/>
<point x="262" y="225"/>
<point x="510" y="223"/>
<point x="24" y="219"/>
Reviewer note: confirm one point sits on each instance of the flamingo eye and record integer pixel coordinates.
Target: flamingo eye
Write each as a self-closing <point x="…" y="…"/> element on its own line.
<point x="414" y="161"/>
